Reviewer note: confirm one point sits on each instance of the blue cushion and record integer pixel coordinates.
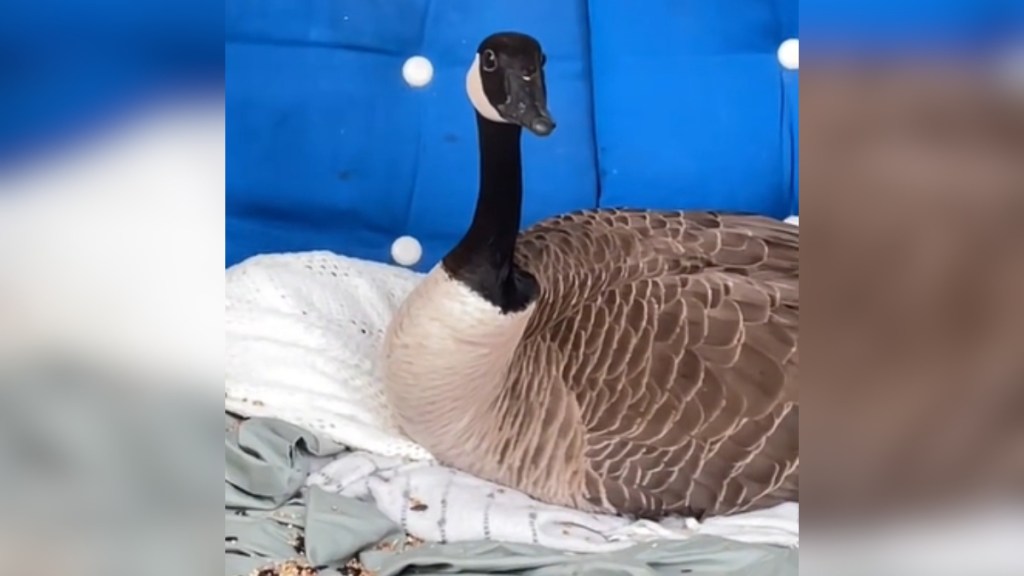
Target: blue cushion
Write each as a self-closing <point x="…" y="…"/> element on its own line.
<point x="328" y="148"/>
<point x="791" y="137"/>
<point x="692" y="106"/>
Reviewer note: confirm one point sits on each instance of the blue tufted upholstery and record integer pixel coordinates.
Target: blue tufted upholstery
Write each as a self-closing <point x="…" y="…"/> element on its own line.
<point x="692" y="107"/>
<point x="680" y="104"/>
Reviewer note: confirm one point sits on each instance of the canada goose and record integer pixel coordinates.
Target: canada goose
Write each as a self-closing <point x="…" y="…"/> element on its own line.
<point x="622" y="361"/>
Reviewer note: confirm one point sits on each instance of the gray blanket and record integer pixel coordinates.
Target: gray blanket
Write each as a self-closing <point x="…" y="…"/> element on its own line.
<point x="270" y="518"/>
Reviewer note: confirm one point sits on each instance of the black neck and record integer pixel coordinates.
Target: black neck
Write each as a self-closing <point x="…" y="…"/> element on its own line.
<point x="484" y="258"/>
<point x="495" y="226"/>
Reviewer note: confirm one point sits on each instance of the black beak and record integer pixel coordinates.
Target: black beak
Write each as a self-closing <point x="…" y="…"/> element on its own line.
<point x="527" y="103"/>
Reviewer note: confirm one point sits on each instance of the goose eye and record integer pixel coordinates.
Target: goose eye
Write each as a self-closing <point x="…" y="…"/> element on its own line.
<point x="490" y="61"/>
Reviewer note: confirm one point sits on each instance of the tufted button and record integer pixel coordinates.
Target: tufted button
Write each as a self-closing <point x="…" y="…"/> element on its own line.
<point x="406" y="251"/>
<point x="789" y="54"/>
<point x="417" y="71"/>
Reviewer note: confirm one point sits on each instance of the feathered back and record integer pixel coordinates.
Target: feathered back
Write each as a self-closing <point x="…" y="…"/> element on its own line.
<point x="676" y="339"/>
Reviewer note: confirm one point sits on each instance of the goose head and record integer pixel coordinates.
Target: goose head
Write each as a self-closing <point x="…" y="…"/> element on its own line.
<point x="506" y="82"/>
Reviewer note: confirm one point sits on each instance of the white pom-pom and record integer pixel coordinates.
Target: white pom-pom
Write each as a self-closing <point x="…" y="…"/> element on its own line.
<point x="417" y="71"/>
<point x="789" y="54"/>
<point x="406" y="251"/>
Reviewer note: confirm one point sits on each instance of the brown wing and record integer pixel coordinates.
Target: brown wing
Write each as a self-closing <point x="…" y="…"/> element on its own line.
<point x="679" y="332"/>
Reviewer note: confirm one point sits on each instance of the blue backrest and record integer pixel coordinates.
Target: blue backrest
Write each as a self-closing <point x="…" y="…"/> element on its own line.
<point x="328" y="148"/>
<point x="693" y="109"/>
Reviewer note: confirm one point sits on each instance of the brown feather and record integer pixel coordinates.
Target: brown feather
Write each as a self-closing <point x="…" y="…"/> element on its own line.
<point x="684" y="331"/>
<point x="656" y="373"/>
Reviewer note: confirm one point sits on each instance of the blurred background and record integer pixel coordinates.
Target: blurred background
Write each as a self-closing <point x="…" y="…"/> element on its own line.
<point x="114" y="232"/>
<point x="69" y="67"/>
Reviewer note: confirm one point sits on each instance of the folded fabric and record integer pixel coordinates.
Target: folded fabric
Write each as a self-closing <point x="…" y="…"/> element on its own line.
<point x="271" y="517"/>
<point x="438" y="504"/>
<point x="324" y="529"/>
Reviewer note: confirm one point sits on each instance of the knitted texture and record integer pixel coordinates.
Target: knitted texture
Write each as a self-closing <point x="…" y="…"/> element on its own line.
<point x="301" y="336"/>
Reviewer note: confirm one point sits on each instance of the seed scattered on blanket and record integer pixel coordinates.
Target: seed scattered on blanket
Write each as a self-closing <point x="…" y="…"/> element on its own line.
<point x="355" y="568"/>
<point x="257" y="403"/>
<point x="409" y="541"/>
<point x="299" y="544"/>
<point x="417" y="505"/>
<point x="387" y="546"/>
<point x="289" y="568"/>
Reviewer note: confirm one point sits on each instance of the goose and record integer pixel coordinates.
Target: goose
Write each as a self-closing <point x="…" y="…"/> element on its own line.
<point x="634" y="362"/>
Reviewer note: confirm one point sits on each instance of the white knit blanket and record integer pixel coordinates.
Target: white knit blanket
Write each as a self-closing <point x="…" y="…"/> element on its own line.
<point x="301" y="335"/>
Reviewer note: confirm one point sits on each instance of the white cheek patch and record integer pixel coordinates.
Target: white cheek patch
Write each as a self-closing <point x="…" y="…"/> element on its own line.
<point x="475" y="90"/>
